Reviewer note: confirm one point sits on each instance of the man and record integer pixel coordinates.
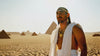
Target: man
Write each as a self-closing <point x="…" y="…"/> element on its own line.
<point x="67" y="37"/>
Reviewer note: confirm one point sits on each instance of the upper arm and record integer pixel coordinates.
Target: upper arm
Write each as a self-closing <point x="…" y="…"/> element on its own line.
<point x="80" y="37"/>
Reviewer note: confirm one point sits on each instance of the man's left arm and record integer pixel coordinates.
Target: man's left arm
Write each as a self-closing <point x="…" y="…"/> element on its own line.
<point x="80" y="37"/>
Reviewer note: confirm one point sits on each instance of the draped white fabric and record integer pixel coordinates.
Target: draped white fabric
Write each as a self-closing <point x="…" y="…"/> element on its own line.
<point x="66" y="44"/>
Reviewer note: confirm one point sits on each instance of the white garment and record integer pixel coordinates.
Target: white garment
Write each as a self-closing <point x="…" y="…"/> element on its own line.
<point x="66" y="44"/>
<point x="73" y="52"/>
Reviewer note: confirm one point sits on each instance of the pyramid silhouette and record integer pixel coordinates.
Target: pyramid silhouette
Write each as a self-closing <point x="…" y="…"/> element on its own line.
<point x="3" y="35"/>
<point x="34" y="34"/>
<point x="22" y="34"/>
<point x="51" y="28"/>
<point x="28" y="32"/>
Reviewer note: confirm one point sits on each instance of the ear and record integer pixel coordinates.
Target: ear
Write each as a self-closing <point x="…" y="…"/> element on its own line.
<point x="68" y="14"/>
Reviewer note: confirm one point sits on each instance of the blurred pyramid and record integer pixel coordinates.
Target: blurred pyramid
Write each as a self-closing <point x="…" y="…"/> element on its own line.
<point x="51" y="28"/>
<point x="34" y="34"/>
<point x="23" y="34"/>
<point x="28" y="32"/>
<point x="3" y="35"/>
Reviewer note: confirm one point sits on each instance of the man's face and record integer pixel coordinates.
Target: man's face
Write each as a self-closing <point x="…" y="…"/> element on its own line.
<point x="61" y="16"/>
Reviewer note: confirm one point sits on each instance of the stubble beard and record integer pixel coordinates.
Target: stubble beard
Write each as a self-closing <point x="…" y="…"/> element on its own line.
<point x="61" y="21"/>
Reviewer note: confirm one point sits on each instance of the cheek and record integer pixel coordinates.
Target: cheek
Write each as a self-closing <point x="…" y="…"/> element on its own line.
<point x="64" y="17"/>
<point x="57" y="16"/>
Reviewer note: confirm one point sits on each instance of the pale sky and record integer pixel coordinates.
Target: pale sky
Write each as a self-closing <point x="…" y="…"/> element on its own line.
<point x="37" y="15"/>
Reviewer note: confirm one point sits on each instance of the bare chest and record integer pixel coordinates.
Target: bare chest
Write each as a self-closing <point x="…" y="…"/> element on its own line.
<point x="60" y="41"/>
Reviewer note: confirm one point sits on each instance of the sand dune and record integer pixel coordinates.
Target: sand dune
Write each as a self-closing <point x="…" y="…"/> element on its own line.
<point x="25" y="45"/>
<point x="93" y="44"/>
<point x="39" y="45"/>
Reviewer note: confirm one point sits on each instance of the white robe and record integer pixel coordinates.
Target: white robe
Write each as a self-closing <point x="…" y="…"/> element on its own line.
<point x="66" y="44"/>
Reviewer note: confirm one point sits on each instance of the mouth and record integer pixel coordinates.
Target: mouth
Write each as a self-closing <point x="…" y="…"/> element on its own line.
<point x="60" y="21"/>
<point x="59" y="17"/>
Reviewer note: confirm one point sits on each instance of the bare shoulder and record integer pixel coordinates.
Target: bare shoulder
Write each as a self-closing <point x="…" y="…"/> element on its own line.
<point x="77" y="29"/>
<point x="78" y="32"/>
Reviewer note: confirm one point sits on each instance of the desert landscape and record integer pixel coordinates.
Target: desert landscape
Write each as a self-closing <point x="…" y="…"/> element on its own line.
<point x="25" y="45"/>
<point x="26" y="25"/>
<point x="33" y="44"/>
<point x="93" y="43"/>
<point x="39" y="45"/>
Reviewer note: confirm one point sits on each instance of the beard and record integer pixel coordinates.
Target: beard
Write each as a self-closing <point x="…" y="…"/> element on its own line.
<point x="61" y="21"/>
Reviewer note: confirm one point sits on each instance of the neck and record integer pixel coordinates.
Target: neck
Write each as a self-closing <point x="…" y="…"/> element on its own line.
<point x="63" y="25"/>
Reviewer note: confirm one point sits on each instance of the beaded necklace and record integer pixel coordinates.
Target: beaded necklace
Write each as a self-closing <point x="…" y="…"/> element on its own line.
<point x="61" y="32"/>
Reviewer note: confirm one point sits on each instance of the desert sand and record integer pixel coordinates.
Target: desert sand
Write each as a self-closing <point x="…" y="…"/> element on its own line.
<point x="28" y="45"/>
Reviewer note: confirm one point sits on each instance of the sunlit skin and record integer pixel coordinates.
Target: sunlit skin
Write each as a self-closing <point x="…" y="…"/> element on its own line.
<point x="78" y="37"/>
